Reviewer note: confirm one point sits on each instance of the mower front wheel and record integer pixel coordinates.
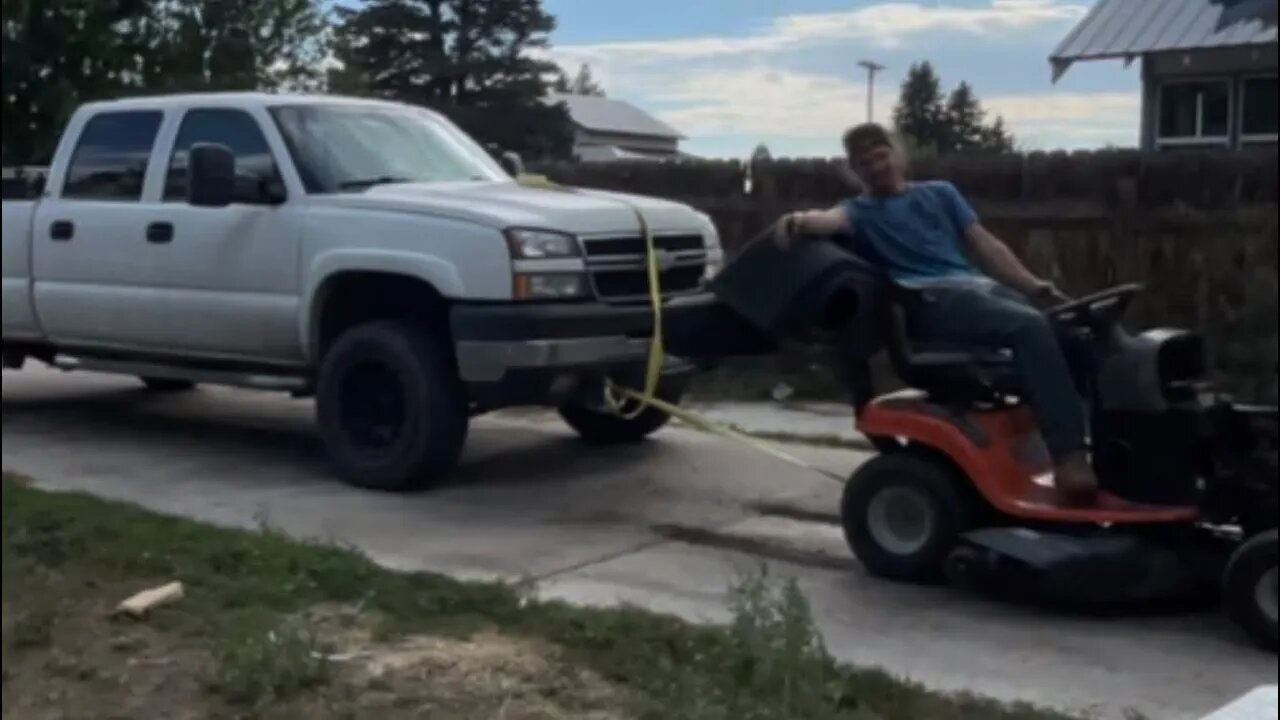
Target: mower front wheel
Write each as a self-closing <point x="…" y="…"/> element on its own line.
<point x="1249" y="588"/>
<point x="903" y="514"/>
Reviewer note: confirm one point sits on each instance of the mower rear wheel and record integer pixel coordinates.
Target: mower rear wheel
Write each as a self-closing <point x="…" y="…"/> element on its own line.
<point x="903" y="515"/>
<point x="1249" y="588"/>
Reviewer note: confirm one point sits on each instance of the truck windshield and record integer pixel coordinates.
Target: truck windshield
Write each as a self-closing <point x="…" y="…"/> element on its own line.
<point x="350" y="148"/>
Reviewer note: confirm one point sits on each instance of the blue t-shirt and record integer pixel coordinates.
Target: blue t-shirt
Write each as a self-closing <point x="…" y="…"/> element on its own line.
<point x="918" y="236"/>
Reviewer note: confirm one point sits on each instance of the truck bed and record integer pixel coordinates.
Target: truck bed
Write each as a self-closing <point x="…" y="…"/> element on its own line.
<point x="22" y="183"/>
<point x="15" y="264"/>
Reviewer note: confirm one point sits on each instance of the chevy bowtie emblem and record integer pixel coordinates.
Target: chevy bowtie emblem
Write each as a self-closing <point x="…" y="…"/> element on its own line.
<point x="664" y="258"/>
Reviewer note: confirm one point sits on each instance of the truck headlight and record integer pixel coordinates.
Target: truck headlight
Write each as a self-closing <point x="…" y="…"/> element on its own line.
<point x="550" y="286"/>
<point x="541" y="244"/>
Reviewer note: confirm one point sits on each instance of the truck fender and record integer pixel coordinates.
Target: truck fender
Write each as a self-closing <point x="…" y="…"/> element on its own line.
<point x="434" y="271"/>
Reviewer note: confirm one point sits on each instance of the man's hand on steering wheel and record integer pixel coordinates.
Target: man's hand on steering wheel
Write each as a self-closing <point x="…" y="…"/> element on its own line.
<point x="785" y="231"/>
<point x="1045" y="295"/>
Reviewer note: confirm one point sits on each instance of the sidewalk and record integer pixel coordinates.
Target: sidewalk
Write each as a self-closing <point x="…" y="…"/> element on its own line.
<point x="798" y="420"/>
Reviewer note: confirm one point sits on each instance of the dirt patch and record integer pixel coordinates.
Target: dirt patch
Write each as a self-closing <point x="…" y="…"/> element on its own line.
<point x="70" y="658"/>
<point x="488" y="675"/>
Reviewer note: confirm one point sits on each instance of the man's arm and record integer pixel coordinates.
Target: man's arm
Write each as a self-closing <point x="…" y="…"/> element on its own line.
<point x="992" y="256"/>
<point x="995" y="258"/>
<point x="811" y="222"/>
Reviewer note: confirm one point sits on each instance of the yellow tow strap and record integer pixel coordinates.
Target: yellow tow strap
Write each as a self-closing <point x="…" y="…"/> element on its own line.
<point x="615" y="395"/>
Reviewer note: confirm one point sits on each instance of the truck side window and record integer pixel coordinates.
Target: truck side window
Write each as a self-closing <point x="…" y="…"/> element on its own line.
<point x="238" y="131"/>
<point x="110" y="159"/>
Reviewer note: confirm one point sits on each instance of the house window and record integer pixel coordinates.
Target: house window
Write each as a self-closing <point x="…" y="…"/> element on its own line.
<point x="1194" y="112"/>
<point x="1258" y="109"/>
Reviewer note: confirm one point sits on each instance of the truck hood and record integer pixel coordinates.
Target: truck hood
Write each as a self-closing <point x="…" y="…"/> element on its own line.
<point x="506" y="204"/>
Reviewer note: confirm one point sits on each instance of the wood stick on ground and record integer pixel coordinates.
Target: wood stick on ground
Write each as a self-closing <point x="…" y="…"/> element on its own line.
<point x="140" y="604"/>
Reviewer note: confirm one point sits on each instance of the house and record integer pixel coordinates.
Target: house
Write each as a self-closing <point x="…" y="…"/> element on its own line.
<point x="1208" y="66"/>
<point x="607" y="130"/>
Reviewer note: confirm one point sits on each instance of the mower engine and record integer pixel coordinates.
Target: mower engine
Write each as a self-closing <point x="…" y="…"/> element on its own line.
<point x="1163" y="436"/>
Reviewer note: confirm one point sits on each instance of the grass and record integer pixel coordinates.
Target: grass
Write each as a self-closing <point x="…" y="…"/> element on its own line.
<point x="256" y="633"/>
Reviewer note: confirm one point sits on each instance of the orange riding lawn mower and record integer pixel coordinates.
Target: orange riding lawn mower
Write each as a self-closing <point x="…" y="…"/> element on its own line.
<point x="960" y="489"/>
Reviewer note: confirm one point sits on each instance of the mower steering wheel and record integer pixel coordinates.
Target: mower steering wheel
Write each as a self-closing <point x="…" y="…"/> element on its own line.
<point x="1109" y="303"/>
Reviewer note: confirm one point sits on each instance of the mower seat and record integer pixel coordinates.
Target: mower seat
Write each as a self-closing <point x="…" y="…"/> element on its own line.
<point x="949" y="373"/>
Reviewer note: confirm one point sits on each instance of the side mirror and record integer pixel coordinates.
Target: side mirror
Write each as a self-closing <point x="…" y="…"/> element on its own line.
<point x="211" y="175"/>
<point x="512" y="163"/>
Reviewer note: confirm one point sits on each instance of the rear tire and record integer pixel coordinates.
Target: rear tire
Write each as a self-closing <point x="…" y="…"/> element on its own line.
<point x="167" y="385"/>
<point x="1249" y="588"/>
<point x="903" y="515"/>
<point x="391" y="409"/>
<point x="602" y="427"/>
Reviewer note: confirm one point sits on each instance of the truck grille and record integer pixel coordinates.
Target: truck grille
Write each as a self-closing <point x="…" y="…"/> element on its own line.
<point x="618" y="271"/>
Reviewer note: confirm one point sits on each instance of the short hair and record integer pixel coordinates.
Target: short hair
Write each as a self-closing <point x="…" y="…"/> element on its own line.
<point x="860" y="138"/>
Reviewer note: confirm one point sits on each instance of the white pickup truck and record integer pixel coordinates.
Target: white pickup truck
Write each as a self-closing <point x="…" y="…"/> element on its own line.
<point x="368" y="253"/>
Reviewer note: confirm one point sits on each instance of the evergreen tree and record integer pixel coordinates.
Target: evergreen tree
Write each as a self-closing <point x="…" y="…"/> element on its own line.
<point x="920" y="115"/>
<point x="584" y="83"/>
<point x="996" y="138"/>
<point x="929" y="126"/>
<point x="964" y="113"/>
<point x="469" y="59"/>
<point x="58" y="54"/>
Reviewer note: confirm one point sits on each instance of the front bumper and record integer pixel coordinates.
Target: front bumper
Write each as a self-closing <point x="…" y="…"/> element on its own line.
<point x="494" y="341"/>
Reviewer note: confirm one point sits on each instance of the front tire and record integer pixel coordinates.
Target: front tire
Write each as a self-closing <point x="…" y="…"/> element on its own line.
<point x="1249" y="588"/>
<point x="603" y="427"/>
<point x="903" y="515"/>
<point x="391" y="410"/>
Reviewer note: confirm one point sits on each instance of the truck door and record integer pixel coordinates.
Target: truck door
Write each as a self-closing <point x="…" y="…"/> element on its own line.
<point x="228" y="277"/>
<point x="89" y="259"/>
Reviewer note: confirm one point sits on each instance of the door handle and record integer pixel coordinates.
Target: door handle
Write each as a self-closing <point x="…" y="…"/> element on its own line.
<point x="160" y="232"/>
<point x="62" y="230"/>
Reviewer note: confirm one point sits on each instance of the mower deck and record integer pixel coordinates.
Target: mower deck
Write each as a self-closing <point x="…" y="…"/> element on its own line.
<point x="1084" y="570"/>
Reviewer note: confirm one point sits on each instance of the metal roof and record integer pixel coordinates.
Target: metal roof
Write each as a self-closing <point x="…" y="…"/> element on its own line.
<point x="1129" y="28"/>
<point x="603" y="114"/>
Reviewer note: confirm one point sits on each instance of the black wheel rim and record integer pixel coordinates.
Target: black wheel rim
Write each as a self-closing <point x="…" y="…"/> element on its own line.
<point x="372" y="406"/>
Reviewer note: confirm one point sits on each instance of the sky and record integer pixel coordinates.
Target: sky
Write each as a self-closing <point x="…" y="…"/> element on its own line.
<point x="729" y="74"/>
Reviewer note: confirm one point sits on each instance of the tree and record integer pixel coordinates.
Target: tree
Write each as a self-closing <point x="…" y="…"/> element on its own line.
<point x="583" y="83"/>
<point x="195" y="45"/>
<point x="930" y="126"/>
<point x="57" y="55"/>
<point x="963" y="128"/>
<point x="469" y="59"/>
<point x="996" y="138"/>
<point x="920" y="115"/>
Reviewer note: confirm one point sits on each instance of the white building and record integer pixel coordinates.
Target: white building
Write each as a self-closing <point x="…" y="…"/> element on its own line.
<point x="608" y="130"/>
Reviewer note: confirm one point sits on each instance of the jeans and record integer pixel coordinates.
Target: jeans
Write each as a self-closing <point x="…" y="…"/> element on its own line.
<point x="992" y="316"/>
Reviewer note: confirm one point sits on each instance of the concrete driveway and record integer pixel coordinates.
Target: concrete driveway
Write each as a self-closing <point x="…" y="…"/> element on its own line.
<point x="665" y="525"/>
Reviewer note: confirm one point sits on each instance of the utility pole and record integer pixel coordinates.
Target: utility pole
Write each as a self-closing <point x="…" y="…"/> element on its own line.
<point x="872" y="69"/>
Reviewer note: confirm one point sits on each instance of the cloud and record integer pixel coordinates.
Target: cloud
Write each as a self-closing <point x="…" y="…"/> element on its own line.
<point x="785" y="105"/>
<point x="1091" y="108"/>
<point x="886" y="24"/>
<point x="762" y="84"/>
<point x="1063" y="119"/>
<point x="776" y="103"/>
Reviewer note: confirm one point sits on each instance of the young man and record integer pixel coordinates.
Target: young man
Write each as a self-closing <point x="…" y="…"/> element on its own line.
<point x="972" y="289"/>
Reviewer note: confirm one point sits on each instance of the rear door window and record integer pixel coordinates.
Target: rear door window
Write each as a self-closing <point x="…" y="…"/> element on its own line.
<point x="110" y="159"/>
